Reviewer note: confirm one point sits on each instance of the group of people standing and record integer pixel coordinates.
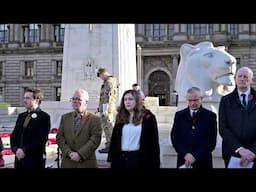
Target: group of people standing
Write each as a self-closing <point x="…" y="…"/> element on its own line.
<point x="194" y="130"/>
<point x="131" y="130"/>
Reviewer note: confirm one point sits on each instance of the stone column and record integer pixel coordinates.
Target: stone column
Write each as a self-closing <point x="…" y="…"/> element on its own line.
<point x="139" y="79"/>
<point x="44" y="31"/>
<point x="11" y="36"/>
<point x="57" y="32"/>
<point x="17" y="37"/>
<point x="14" y="34"/>
<point x="253" y="31"/>
<point x="174" y="68"/>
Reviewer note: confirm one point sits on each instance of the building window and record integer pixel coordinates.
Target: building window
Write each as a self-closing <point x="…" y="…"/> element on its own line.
<point x="58" y="93"/>
<point x="1" y="94"/>
<point x="159" y="32"/>
<point x="1" y="69"/>
<point x="62" y="32"/>
<point x="170" y="30"/>
<point x="29" y="69"/>
<point x="233" y="30"/>
<point x="210" y="29"/>
<point x="58" y="69"/>
<point x="59" y="32"/>
<point x="238" y="62"/>
<point x="34" y="33"/>
<point x="200" y="29"/>
<point x="4" y="33"/>
<point x="148" y="30"/>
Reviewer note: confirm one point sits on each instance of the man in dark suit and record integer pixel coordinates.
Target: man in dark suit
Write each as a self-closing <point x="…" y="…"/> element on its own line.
<point x="237" y="116"/>
<point x="30" y="134"/>
<point x="194" y="133"/>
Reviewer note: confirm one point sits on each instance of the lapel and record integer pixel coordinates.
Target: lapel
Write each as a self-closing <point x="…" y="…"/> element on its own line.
<point x="188" y="115"/>
<point x="251" y="100"/>
<point x="70" y="123"/>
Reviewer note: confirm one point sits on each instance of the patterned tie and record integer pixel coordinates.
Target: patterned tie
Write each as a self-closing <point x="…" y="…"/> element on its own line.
<point x="243" y="100"/>
<point x="77" y="122"/>
<point x="27" y="119"/>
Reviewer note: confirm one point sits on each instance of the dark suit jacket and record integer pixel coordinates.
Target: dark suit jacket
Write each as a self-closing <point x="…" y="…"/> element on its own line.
<point x="85" y="141"/>
<point x="237" y="125"/>
<point x="200" y="142"/>
<point x="149" y="152"/>
<point x="32" y="139"/>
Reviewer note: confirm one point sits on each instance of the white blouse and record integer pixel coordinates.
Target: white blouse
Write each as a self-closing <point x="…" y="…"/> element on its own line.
<point x="131" y="137"/>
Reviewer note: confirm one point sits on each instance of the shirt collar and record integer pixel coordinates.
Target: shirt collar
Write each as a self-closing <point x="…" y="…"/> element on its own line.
<point x="246" y="93"/>
<point x="191" y="111"/>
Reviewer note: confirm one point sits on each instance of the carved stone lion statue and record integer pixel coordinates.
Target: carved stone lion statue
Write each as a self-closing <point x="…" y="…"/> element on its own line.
<point x="210" y="68"/>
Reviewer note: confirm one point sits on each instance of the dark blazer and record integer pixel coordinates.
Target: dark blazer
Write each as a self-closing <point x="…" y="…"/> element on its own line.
<point x="149" y="152"/>
<point x="32" y="139"/>
<point x="200" y="141"/>
<point x="237" y="124"/>
<point x="85" y="141"/>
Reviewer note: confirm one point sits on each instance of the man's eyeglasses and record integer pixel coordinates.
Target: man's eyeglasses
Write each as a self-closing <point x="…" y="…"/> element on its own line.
<point x="75" y="99"/>
<point x="191" y="100"/>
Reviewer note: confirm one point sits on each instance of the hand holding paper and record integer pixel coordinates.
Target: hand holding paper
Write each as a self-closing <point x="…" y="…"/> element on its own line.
<point x="235" y="162"/>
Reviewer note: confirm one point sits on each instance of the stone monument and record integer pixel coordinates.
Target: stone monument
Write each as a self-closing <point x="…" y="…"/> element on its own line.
<point x="88" y="47"/>
<point x="210" y="68"/>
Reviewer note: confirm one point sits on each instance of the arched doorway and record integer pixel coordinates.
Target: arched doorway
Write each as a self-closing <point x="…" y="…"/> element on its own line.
<point x="159" y="86"/>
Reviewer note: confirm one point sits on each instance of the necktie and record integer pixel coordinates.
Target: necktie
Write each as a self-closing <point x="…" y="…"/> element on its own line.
<point x="193" y="120"/>
<point x="193" y="115"/>
<point x="243" y="100"/>
<point x="27" y="119"/>
<point x="77" y="122"/>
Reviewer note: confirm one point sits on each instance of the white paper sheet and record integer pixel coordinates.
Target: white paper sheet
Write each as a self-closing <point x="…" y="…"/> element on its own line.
<point x="184" y="167"/>
<point x="234" y="162"/>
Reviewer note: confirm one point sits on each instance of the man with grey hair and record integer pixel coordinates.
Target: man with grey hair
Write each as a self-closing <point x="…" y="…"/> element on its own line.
<point x="237" y="114"/>
<point x="79" y="134"/>
<point x="194" y="133"/>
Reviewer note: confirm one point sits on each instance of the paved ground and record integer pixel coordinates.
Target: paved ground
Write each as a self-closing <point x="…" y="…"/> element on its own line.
<point x="168" y="154"/>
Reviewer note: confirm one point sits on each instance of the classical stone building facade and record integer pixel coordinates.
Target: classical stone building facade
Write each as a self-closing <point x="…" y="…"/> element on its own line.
<point x="31" y="55"/>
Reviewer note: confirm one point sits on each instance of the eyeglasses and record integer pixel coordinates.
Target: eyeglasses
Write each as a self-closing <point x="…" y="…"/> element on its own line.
<point x="75" y="99"/>
<point x="27" y="98"/>
<point x="191" y="100"/>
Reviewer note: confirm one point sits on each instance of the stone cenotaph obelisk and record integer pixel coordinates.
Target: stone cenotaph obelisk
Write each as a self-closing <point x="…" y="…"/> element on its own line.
<point x="88" y="47"/>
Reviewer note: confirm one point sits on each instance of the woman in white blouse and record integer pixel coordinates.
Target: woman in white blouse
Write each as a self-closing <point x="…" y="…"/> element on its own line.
<point x="135" y="140"/>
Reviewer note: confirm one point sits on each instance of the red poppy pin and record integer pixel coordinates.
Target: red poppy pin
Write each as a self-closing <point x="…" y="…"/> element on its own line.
<point x="250" y="97"/>
<point x="83" y="119"/>
<point x="148" y="116"/>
